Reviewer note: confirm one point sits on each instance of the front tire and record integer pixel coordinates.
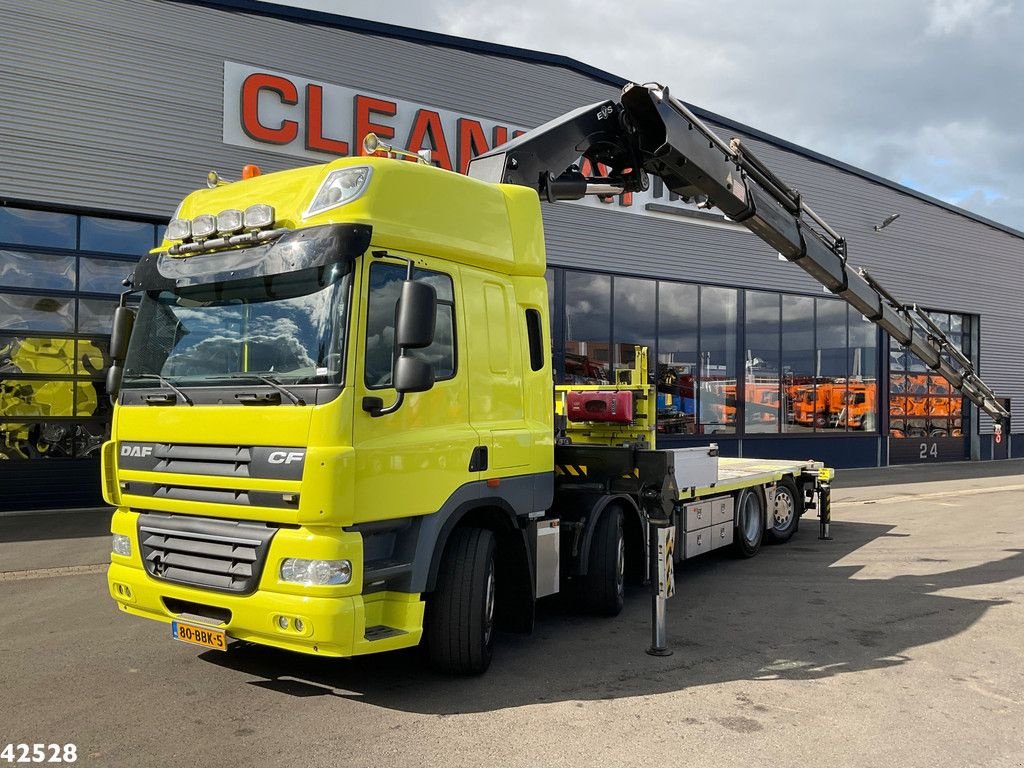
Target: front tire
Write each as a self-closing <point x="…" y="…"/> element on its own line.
<point x="784" y="517"/>
<point x="459" y="625"/>
<point x="749" y="522"/>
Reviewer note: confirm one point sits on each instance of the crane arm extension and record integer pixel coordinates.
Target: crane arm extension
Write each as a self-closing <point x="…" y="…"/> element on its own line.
<point x="651" y="132"/>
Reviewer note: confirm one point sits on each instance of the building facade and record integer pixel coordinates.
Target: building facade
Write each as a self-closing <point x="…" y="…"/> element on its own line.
<point x="118" y="108"/>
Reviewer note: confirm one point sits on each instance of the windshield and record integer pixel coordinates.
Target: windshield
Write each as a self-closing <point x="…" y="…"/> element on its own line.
<point x="288" y="327"/>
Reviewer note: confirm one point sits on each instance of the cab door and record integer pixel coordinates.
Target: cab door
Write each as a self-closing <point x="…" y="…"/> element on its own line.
<point x="411" y="461"/>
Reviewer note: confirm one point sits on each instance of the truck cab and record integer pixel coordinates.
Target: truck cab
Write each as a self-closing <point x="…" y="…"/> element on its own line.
<point x="271" y="479"/>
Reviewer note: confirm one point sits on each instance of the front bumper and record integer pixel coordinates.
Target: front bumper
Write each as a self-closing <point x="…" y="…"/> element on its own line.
<point x="334" y="624"/>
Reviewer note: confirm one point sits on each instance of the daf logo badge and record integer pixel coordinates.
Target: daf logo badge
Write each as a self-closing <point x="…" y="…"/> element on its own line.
<point x="137" y="451"/>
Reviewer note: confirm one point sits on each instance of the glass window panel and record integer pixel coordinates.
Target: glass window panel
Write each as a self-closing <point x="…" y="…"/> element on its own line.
<point x="116" y="236"/>
<point x="897" y="357"/>
<point x="46" y="440"/>
<point x="897" y="406"/>
<point x="956" y="323"/>
<point x="941" y="319"/>
<point x="897" y="383"/>
<point x="831" y="371"/>
<point x="385" y="285"/>
<point x="102" y="275"/>
<point x="800" y="397"/>
<point x="762" y="404"/>
<point x="442" y="283"/>
<point x="95" y="315"/>
<point x="92" y="357"/>
<point x="161" y="229"/>
<point x="914" y="363"/>
<point x="37" y="270"/>
<point x="89" y="437"/>
<point x="587" y="328"/>
<point x="917" y="384"/>
<point x="37" y="354"/>
<point x="937" y="385"/>
<point x="862" y="388"/>
<point x="634" y="320"/>
<point x="676" y="369"/>
<point x="36" y="313"/>
<point x="91" y="399"/>
<point x="30" y="398"/>
<point x="24" y="227"/>
<point x="717" y="395"/>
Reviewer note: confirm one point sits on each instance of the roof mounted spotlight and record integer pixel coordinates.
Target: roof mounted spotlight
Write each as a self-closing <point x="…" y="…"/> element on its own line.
<point x="886" y="222"/>
<point x="372" y="145"/>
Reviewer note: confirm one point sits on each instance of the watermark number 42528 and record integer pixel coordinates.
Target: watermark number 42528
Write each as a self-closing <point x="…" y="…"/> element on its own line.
<point x="39" y="753"/>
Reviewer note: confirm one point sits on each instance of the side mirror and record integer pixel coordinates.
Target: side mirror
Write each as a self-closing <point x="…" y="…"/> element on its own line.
<point x="413" y="375"/>
<point x="415" y="316"/>
<point x="120" y="332"/>
<point x="114" y="374"/>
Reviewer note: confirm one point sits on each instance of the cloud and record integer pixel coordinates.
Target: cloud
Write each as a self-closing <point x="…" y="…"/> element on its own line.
<point x="950" y="17"/>
<point x="887" y="87"/>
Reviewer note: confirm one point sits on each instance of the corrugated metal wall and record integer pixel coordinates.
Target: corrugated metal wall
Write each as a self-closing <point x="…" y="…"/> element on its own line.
<point x="117" y="104"/>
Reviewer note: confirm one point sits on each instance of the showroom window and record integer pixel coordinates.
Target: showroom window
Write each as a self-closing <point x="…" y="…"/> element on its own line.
<point x="921" y="402"/>
<point x="60" y="277"/>
<point x="789" y="364"/>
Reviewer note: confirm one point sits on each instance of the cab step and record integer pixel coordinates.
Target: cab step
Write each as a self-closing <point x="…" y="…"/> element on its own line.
<point x="382" y="632"/>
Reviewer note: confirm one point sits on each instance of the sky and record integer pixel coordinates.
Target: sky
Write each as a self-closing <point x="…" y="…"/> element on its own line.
<point x="927" y="93"/>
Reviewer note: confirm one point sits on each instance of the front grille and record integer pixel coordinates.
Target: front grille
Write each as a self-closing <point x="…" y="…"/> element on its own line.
<point x="222" y="460"/>
<point x="225" y="555"/>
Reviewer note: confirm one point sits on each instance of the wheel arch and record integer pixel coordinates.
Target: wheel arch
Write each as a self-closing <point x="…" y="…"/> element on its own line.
<point x="494" y="514"/>
<point x="587" y="509"/>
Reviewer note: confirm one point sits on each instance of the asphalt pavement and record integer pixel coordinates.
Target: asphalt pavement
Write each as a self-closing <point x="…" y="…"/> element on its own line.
<point x="899" y="642"/>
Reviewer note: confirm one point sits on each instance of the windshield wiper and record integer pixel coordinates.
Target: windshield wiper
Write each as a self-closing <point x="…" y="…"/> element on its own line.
<point x="165" y="382"/>
<point x="271" y="381"/>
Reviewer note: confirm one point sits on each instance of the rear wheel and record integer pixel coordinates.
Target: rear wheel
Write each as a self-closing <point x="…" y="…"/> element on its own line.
<point x="459" y="625"/>
<point x="749" y="522"/>
<point x="602" y="590"/>
<point x="785" y="513"/>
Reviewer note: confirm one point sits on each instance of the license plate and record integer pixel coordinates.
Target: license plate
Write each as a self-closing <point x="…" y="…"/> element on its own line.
<point x="204" y="636"/>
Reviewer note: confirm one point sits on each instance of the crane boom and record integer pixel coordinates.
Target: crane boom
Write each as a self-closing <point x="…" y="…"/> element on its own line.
<point x="649" y="132"/>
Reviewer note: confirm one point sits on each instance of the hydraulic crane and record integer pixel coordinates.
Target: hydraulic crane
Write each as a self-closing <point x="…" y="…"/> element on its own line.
<point x="649" y="132"/>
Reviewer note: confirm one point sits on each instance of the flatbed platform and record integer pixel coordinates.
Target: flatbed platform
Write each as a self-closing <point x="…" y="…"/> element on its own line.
<point x="735" y="473"/>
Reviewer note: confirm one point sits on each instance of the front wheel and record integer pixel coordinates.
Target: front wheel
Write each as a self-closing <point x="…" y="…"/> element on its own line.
<point x="459" y="624"/>
<point x="785" y="513"/>
<point x="749" y="522"/>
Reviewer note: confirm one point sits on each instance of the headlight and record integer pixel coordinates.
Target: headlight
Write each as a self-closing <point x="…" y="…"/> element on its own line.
<point x="121" y="544"/>
<point x="312" y="572"/>
<point x="341" y="186"/>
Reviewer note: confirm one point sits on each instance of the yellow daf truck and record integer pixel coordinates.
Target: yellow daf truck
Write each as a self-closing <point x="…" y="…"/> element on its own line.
<point x="336" y="430"/>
